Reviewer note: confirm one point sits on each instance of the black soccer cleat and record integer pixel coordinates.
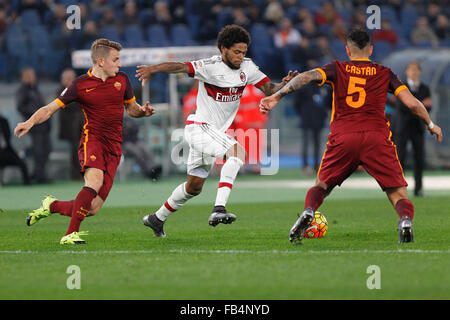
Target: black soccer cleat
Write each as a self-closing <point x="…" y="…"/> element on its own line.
<point x="303" y="222"/>
<point x="152" y="221"/>
<point x="220" y="215"/>
<point x="405" y="230"/>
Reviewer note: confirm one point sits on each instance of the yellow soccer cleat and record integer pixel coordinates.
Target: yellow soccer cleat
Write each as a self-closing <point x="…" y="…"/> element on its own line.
<point x="42" y="212"/>
<point x="74" y="238"/>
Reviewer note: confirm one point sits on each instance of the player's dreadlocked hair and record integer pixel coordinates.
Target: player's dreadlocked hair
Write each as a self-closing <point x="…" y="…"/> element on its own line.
<point x="232" y="34"/>
<point x="100" y="48"/>
<point x="359" y="37"/>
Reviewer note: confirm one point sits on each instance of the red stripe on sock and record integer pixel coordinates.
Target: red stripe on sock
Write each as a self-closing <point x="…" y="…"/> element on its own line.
<point x="225" y="184"/>
<point x="167" y="205"/>
<point x="405" y="207"/>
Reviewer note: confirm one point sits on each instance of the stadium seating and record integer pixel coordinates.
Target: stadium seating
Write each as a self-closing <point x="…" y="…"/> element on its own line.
<point x="157" y="37"/>
<point x="30" y="18"/>
<point x="381" y="49"/>
<point x="133" y="37"/>
<point x="111" y="33"/>
<point x="180" y="35"/>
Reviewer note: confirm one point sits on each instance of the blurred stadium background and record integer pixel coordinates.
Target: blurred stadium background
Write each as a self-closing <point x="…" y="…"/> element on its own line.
<point x="33" y="33"/>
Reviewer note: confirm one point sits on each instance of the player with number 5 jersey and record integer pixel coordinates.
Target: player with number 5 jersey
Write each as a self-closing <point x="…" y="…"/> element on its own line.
<point x="359" y="130"/>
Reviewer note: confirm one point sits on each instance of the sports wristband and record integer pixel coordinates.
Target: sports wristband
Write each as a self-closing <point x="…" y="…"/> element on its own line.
<point x="430" y="125"/>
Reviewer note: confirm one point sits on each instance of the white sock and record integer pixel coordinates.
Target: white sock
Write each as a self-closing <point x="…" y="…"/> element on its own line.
<point x="176" y="200"/>
<point x="227" y="176"/>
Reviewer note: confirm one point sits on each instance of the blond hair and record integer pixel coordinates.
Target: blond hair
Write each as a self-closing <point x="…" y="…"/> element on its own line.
<point x="101" y="47"/>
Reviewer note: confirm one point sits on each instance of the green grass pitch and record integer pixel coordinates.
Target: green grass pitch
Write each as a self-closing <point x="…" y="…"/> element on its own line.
<point x="250" y="259"/>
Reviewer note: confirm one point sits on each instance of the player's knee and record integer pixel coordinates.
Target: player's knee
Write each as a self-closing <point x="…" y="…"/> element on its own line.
<point x="237" y="151"/>
<point x="194" y="190"/>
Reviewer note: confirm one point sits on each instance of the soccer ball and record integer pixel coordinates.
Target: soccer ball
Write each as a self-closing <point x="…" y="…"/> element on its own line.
<point x="318" y="228"/>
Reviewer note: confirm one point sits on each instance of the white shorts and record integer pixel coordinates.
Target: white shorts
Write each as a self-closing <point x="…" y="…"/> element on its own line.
<point x="205" y="144"/>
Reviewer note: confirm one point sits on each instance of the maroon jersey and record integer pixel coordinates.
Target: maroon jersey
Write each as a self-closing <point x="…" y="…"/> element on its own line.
<point x="102" y="103"/>
<point x="360" y="89"/>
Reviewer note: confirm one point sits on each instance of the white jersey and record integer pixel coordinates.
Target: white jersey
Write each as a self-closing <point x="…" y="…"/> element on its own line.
<point x="220" y="89"/>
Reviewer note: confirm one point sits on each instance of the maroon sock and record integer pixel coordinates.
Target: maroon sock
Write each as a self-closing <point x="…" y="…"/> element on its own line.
<point x="314" y="197"/>
<point x="62" y="207"/>
<point x="80" y="208"/>
<point x="404" y="207"/>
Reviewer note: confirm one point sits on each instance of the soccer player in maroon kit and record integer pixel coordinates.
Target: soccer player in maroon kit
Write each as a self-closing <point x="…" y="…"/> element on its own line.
<point x="359" y="130"/>
<point x="102" y="94"/>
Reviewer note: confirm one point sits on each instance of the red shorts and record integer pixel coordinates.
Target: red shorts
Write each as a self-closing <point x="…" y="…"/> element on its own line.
<point x="93" y="154"/>
<point x="371" y="149"/>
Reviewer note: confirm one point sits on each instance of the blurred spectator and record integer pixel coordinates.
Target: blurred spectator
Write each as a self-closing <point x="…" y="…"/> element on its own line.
<point x="71" y="124"/>
<point x="254" y="14"/>
<point x="273" y="13"/>
<point x="129" y="14"/>
<point x="327" y="15"/>
<point x="286" y="34"/>
<point x="386" y="33"/>
<point x="57" y="16"/>
<point x="410" y="128"/>
<point x="423" y="33"/>
<point x="302" y="15"/>
<point x="162" y="14"/>
<point x="29" y="100"/>
<point x="303" y="54"/>
<point x="108" y="18"/>
<point x="324" y="52"/>
<point x="442" y="28"/>
<point x="8" y="156"/>
<point x="176" y="7"/>
<point x="90" y="34"/>
<point x="138" y="150"/>
<point x="4" y="21"/>
<point x="249" y="118"/>
<point x="339" y="30"/>
<point x="312" y="104"/>
<point x="238" y="17"/>
<point x="358" y="19"/>
<point x="433" y="11"/>
<point x="309" y="29"/>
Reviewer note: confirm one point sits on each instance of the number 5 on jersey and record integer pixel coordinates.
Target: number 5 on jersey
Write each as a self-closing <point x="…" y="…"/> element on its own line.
<point x="353" y="83"/>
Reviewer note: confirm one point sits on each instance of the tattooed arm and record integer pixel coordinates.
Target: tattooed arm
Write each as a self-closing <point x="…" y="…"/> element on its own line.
<point x="301" y="80"/>
<point x="270" y="88"/>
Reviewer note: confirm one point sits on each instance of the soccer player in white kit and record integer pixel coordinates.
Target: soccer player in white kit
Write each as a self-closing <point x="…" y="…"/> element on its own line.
<point x="222" y="80"/>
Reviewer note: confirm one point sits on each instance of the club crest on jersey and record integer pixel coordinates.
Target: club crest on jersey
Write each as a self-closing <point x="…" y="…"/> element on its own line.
<point x="243" y="77"/>
<point x="93" y="158"/>
<point x="117" y="85"/>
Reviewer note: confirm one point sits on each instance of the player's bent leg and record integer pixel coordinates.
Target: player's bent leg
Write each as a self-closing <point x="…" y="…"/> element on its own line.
<point x="96" y="205"/>
<point x="235" y="156"/>
<point x="313" y="200"/>
<point x="82" y="205"/>
<point x="185" y="191"/>
<point x="42" y="212"/>
<point x="405" y="210"/>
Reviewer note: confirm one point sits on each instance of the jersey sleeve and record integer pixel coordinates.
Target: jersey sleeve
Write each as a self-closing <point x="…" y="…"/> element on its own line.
<point x="256" y="76"/>
<point x="328" y="72"/>
<point x="395" y="85"/>
<point x="129" y="94"/>
<point x="199" y="69"/>
<point x="68" y="95"/>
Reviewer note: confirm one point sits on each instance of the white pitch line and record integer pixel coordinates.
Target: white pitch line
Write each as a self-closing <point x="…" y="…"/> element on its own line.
<point x="228" y="251"/>
<point x="429" y="182"/>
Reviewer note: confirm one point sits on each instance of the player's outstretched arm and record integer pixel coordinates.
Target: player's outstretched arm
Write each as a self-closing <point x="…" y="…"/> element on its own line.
<point x="145" y="73"/>
<point x="298" y="82"/>
<point x="418" y="109"/>
<point x="135" y="110"/>
<point x="41" y="115"/>
<point x="270" y="88"/>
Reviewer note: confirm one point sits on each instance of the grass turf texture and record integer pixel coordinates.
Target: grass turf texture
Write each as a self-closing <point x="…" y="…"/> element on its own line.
<point x="250" y="259"/>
